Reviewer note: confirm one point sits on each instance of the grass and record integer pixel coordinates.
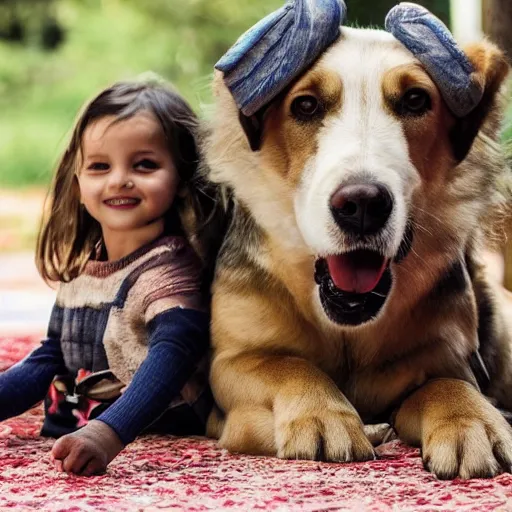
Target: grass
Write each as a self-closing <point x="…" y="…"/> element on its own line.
<point x="507" y="131"/>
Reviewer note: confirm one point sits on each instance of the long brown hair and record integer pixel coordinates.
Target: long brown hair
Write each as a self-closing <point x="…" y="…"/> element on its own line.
<point x="68" y="234"/>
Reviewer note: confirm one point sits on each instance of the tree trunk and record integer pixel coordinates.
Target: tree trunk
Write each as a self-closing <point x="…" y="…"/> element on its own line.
<point x="497" y="20"/>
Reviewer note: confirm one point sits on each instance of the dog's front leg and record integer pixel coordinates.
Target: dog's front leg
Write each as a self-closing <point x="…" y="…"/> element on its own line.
<point x="459" y="431"/>
<point x="286" y="406"/>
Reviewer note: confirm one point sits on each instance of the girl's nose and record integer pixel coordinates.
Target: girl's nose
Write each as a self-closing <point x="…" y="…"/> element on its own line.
<point x="119" y="177"/>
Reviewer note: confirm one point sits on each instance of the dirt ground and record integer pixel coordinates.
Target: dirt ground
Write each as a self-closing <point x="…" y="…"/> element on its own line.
<point x="25" y="300"/>
<point x="20" y="214"/>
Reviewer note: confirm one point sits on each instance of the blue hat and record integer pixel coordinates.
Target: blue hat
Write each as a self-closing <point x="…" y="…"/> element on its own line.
<point x="279" y="48"/>
<point x="430" y="41"/>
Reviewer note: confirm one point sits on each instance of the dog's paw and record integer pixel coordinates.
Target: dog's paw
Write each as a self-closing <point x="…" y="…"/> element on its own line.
<point x="468" y="448"/>
<point x="329" y="434"/>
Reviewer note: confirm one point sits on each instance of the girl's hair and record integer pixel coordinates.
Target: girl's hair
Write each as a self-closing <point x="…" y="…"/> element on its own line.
<point x="68" y="234"/>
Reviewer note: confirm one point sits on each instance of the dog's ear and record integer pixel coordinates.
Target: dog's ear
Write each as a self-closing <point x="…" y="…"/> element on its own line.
<point x="491" y="69"/>
<point x="253" y="128"/>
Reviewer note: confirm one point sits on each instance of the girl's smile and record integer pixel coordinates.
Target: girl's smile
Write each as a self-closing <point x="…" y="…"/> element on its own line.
<point x="122" y="203"/>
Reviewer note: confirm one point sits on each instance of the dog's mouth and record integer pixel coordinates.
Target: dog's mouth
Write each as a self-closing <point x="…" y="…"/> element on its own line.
<point x="353" y="286"/>
<point x="356" y="271"/>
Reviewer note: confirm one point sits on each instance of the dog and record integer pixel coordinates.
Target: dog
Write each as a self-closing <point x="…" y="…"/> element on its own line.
<point x="349" y="289"/>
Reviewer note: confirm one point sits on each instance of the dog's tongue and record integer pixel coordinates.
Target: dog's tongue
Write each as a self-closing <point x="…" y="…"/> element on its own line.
<point x="357" y="271"/>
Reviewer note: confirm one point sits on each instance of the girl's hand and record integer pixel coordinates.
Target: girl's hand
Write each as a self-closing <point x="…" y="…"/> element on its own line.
<point x="87" y="451"/>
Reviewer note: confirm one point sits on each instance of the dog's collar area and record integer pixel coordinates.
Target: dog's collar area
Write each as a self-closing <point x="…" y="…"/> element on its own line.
<point x="345" y="308"/>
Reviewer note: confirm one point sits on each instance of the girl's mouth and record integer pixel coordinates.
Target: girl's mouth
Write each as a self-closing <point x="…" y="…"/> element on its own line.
<point x="122" y="203"/>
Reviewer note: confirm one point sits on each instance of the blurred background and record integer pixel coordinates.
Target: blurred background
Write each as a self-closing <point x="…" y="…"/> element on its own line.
<point x="55" y="54"/>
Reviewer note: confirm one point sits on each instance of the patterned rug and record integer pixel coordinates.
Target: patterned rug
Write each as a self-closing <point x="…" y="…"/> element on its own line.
<point x="162" y="473"/>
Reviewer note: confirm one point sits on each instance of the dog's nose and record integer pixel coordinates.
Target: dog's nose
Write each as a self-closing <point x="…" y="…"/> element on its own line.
<point x="361" y="209"/>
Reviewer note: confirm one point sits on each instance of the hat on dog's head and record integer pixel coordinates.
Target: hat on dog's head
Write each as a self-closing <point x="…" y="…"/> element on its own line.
<point x="430" y="41"/>
<point x="275" y="51"/>
<point x="278" y="49"/>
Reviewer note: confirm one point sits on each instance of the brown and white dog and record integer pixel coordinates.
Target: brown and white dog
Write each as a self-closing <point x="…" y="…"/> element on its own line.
<point x="348" y="288"/>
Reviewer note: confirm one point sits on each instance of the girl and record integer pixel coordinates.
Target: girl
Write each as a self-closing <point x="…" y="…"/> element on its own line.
<point x="130" y="325"/>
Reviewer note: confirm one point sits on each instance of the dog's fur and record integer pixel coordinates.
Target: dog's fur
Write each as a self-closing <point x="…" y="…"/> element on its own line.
<point x="287" y="379"/>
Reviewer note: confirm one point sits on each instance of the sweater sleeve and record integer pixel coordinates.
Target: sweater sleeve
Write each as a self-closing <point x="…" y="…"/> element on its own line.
<point x="178" y="338"/>
<point x="26" y="383"/>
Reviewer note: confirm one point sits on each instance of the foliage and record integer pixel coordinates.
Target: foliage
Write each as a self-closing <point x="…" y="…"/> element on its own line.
<point x="108" y="40"/>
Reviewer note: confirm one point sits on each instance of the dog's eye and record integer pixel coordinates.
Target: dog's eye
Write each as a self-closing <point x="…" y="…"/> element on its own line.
<point x="415" y="102"/>
<point x="305" y="107"/>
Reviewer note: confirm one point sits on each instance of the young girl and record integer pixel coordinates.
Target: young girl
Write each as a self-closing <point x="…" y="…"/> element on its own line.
<point x="130" y="326"/>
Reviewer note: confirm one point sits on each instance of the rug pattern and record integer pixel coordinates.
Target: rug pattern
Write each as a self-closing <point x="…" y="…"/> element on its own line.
<point x="163" y="473"/>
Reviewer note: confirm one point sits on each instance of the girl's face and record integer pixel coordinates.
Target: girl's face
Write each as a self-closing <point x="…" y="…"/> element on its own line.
<point x="127" y="177"/>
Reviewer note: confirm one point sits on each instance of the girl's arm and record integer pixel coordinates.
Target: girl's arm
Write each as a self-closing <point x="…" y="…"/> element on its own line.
<point x="178" y="338"/>
<point x="26" y="383"/>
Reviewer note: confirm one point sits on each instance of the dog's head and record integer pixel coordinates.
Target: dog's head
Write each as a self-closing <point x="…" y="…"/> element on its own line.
<point x="354" y="158"/>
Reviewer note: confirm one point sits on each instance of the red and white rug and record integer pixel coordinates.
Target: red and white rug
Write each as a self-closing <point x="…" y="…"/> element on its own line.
<point x="162" y="473"/>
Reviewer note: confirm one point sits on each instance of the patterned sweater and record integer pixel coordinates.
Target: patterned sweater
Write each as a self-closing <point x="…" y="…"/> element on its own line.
<point x="141" y="317"/>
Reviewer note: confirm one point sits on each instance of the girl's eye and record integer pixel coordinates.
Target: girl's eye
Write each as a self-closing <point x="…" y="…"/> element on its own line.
<point x="147" y="165"/>
<point x="98" y="166"/>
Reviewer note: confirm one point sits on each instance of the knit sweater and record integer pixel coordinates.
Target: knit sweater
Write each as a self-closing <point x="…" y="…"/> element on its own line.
<point x="141" y="317"/>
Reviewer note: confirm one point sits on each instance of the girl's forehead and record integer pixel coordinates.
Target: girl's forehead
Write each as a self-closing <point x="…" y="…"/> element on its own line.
<point x="142" y="127"/>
